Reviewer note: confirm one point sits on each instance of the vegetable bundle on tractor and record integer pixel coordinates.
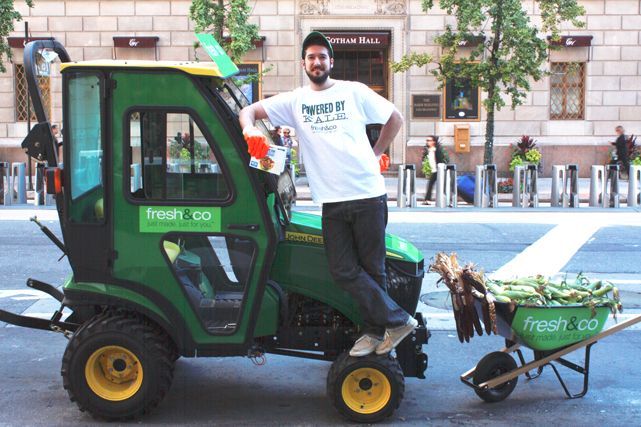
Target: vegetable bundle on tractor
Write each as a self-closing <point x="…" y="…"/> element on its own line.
<point x="179" y="249"/>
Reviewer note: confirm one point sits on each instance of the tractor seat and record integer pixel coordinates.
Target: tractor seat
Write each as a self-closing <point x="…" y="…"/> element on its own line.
<point x="172" y="250"/>
<point x="99" y="209"/>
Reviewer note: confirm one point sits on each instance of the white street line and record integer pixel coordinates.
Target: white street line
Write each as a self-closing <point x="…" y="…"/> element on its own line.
<point x="19" y="294"/>
<point x="550" y="253"/>
<point x="45" y="214"/>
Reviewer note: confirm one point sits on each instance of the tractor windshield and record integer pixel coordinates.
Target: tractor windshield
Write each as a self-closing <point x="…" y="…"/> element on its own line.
<point x="283" y="185"/>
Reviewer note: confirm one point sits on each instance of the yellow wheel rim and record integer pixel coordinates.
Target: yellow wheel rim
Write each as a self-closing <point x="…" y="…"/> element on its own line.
<point x="366" y="390"/>
<point x="114" y="373"/>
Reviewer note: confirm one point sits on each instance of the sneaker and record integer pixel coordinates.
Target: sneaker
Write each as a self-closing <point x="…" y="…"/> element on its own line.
<point x="364" y="345"/>
<point x="395" y="335"/>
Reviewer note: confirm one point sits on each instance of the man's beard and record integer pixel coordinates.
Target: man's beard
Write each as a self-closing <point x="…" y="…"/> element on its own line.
<point x="320" y="79"/>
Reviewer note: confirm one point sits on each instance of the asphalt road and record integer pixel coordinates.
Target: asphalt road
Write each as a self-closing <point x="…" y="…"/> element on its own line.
<point x="292" y="391"/>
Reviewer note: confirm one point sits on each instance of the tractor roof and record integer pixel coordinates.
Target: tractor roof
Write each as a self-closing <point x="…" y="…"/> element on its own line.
<point x="190" y="67"/>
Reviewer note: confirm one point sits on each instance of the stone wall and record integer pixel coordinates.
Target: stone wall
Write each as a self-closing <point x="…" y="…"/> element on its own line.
<point x="613" y="82"/>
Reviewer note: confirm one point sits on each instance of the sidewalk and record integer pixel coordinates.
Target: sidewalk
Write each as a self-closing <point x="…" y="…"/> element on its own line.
<point x="544" y="187"/>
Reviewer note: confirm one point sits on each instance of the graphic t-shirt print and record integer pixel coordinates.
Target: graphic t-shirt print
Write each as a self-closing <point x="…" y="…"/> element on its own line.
<point x="322" y="118"/>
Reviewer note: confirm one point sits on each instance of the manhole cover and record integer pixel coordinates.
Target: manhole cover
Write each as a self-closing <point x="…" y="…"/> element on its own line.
<point x="441" y="299"/>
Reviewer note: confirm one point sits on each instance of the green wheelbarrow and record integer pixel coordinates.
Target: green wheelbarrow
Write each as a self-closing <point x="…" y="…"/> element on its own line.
<point x="551" y="333"/>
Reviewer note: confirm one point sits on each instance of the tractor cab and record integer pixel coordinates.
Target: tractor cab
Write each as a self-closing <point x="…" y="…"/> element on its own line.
<point x="179" y="248"/>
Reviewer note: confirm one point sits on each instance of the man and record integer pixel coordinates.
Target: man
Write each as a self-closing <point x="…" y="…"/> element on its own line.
<point x="343" y="170"/>
<point x="621" y="147"/>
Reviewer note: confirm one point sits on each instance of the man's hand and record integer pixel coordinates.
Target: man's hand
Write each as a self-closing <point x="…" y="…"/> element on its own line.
<point x="383" y="161"/>
<point x="256" y="142"/>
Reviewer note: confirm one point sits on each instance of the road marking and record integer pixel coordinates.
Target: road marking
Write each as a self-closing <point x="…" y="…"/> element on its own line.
<point x="548" y="255"/>
<point x="21" y="294"/>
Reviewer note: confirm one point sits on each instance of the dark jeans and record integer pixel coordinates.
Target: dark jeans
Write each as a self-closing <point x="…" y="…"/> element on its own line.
<point x="354" y="234"/>
<point x="430" y="187"/>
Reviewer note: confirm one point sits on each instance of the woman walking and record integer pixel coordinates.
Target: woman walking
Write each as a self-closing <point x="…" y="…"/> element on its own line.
<point x="433" y="153"/>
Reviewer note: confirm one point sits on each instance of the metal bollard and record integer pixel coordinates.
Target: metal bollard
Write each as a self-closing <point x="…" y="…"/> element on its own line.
<point x="597" y="185"/>
<point x="451" y="191"/>
<point x="400" y="197"/>
<point x="611" y="195"/>
<point x="446" y="190"/>
<point x="571" y="194"/>
<point x="136" y="177"/>
<point x="39" y="195"/>
<point x="532" y="185"/>
<point x="634" y="192"/>
<point x="20" y="181"/>
<point x="5" y="184"/>
<point x="558" y="182"/>
<point x="204" y="167"/>
<point x="440" y="185"/>
<point x="525" y="192"/>
<point x="406" y="190"/>
<point x="486" y="187"/>
<point x="516" y="186"/>
<point x="478" y="186"/>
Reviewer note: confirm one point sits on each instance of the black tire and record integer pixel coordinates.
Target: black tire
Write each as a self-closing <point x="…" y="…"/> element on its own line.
<point x="134" y="351"/>
<point x="367" y="373"/>
<point x="492" y="366"/>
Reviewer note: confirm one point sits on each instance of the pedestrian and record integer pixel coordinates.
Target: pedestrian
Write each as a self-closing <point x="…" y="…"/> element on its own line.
<point x="276" y="136"/>
<point x="344" y="173"/>
<point x="287" y="141"/>
<point x="287" y="138"/>
<point x="433" y="153"/>
<point x="621" y="150"/>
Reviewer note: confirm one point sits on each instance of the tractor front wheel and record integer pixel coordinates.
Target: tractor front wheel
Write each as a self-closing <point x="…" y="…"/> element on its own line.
<point x="117" y="366"/>
<point x="365" y="389"/>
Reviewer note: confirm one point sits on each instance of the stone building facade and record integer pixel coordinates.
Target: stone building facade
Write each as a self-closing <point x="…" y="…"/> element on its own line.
<point x="368" y="34"/>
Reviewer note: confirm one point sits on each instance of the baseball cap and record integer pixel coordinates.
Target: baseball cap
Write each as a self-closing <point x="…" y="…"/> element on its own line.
<point x="317" y="38"/>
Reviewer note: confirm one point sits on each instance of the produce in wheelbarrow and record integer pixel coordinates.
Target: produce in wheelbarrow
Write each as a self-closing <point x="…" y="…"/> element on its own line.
<point x="467" y="285"/>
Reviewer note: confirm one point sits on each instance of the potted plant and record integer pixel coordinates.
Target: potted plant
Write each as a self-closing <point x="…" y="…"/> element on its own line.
<point x="525" y="152"/>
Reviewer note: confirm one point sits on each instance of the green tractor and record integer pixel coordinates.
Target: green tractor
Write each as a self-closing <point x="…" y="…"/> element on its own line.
<point x="179" y="248"/>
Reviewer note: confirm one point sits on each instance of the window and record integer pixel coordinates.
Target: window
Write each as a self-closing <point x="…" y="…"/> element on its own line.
<point x="365" y="66"/>
<point x="214" y="271"/>
<point x="567" y="90"/>
<point x="172" y="160"/>
<point x="84" y="133"/>
<point x="22" y="94"/>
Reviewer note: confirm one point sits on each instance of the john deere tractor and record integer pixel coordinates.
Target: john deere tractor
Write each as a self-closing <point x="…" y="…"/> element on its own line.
<point x="178" y="248"/>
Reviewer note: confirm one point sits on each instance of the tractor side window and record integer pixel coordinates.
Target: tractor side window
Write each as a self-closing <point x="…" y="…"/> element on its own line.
<point x="214" y="272"/>
<point x="83" y="134"/>
<point x="172" y="160"/>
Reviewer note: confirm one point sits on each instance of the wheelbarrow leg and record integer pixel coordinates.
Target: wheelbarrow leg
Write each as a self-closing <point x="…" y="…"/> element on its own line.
<point x="583" y="370"/>
<point x="528" y="375"/>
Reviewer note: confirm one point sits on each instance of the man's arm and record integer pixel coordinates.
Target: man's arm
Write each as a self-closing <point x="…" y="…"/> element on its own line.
<point x="388" y="132"/>
<point x="251" y="113"/>
<point x="256" y="141"/>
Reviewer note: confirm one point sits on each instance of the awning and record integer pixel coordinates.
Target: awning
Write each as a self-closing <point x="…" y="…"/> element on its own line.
<point x="134" y="42"/>
<point x="571" y="41"/>
<point x="19" y="42"/>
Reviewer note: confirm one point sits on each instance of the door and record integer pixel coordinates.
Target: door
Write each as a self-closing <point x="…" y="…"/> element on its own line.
<point x="191" y="226"/>
<point x="85" y="229"/>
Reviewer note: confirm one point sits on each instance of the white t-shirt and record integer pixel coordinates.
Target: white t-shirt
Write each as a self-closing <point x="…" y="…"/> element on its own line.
<point x="330" y="126"/>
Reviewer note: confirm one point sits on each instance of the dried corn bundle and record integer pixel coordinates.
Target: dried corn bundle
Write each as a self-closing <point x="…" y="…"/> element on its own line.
<point x="468" y="285"/>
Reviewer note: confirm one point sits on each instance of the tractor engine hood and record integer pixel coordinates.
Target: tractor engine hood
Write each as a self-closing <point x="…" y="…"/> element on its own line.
<point x="307" y="228"/>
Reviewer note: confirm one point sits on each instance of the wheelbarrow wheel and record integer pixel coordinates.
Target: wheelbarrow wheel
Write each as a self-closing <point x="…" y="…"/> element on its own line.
<point x="365" y="389"/>
<point x="491" y="366"/>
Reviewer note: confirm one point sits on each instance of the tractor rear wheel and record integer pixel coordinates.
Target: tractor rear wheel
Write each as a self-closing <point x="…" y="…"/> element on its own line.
<point x="366" y="389"/>
<point x="117" y="366"/>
